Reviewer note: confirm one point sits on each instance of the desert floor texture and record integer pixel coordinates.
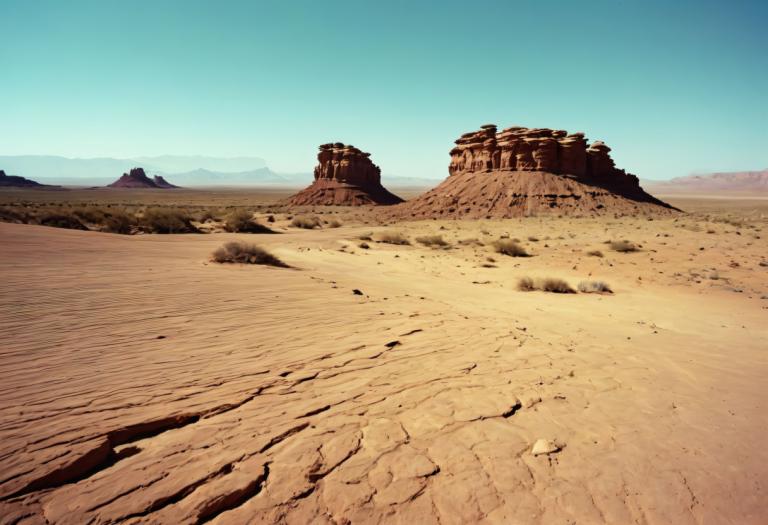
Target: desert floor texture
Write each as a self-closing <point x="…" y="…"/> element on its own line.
<point x="143" y="383"/>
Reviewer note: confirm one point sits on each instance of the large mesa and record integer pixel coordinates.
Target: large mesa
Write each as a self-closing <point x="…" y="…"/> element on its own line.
<point x="526" y="171"/>
<point x="344" y="176"/>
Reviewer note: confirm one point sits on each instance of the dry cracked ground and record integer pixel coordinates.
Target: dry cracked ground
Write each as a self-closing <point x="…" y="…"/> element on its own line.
<point x="142" y="383"/>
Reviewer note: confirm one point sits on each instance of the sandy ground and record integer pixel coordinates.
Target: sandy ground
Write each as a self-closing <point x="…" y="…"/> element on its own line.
<point x="142" y="383"/>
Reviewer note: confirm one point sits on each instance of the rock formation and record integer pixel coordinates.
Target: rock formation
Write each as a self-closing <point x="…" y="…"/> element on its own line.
<point x="138" y="179"/>
<point x="522" y="171"/>
<point x="160" y="182"/>
<point x="15" y="181"/>
<point x="344" y="176"/>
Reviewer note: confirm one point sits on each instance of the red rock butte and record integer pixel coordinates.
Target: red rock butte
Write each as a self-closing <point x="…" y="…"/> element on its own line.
<point x="526" y="171"/>
<point x="137" y="178"/>
<point x="344" y="176"/>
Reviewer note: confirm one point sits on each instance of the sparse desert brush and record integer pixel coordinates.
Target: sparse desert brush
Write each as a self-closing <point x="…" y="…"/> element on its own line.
<point x="13" y="215"/>
<point x="526" y="284"/>
<point x="432" y="240"/>
<point x="595" y="253"/>
<point x="393" y="238"/>
<point x="623" y="246"/>
<point x="509" y="247"/>
<point x="207" y="215"/>
<point x="166" y="220"/>
<point x="594" y="287"/>
<point x="60" y="219"/>
<point x="89" y="214"/>
<point x="546" y="284"/>
<point x="308" y="222"/>
<point x="470" y="242"/>
<point x="118" y="222"/>
<point x="242" y="221"/>
<point x="244" y="253"/>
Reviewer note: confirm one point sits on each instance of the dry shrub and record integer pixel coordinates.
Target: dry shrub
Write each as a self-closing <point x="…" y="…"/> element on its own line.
<point x="88" y="214"/>
<point x="240" y="252"/>
<point x="595" y="253"/>
<point x="12" y="215"/>
<point x="470" y="242"/>
<point x="118" y="222"/>
<point x="164" y="220"/>
<point x="393" y="238"/>
<point x="509" y="247"/>
<point x="594" y="287"/>
<point x="61" y="220"/>
<point x="242" y="221"/>
<point x="547" y="284"/>
<point x="623" y="246"/>
<point x="432" y="240"/>
<point x="308" y="222"/>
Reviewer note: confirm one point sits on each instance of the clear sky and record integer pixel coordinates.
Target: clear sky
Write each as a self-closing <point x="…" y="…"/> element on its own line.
<point x="673" y="87"/>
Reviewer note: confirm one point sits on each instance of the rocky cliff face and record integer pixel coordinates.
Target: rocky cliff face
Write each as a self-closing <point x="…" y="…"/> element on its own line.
<point x="526" y="171"/>
<point x="344" y="175"/>
<point x="533" y="149"/>
<point x="17" y="181"/>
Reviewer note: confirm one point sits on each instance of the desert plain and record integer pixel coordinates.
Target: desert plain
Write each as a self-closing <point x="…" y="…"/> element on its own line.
<point x="372" y="382"/>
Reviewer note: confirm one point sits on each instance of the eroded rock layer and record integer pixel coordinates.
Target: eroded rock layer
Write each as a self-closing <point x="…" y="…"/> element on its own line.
<point x="523" y="171"/>
<point x="344" y="175"/>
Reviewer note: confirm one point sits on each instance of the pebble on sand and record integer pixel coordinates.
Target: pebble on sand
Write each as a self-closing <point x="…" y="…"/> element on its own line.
<point x="545" y="446"/>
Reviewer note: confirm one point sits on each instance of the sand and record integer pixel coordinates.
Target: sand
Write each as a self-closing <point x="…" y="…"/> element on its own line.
<point x="144" y="384"/>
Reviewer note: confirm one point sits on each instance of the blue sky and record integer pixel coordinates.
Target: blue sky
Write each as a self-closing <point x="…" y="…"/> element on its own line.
<point x="673" y="87"/>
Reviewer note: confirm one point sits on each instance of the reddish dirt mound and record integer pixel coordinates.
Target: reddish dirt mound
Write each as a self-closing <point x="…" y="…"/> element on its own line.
<point x="344" y="176"/>
<point x="528" y="171"/>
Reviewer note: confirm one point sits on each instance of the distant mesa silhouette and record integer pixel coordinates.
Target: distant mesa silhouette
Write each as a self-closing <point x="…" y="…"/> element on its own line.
<point x="136" y="178"/>
<point x="523" y="171"/>
<point x="15" y="181"/>
<point x="344" y="176"/>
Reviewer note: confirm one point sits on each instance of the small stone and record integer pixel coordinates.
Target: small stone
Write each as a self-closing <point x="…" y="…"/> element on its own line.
<point x="544" y="446"/>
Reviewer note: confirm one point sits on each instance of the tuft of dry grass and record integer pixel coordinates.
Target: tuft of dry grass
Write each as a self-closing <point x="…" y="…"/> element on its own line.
<point x="308" y="222"/>
<point x="244" y="253"/>
<point x="393" y="238"/>
<point x="509" y="247"/>
<point x="594" y="287"/>
<point x="242" y="221"/>
<point x="164" y="220"/>
<point x="118" y="222"/>
<point x="623" y="246"/>
<point x="432" y="240"/>
<point x="547" y="284"/>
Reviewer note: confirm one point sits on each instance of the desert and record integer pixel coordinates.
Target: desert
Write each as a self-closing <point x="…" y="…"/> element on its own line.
<point x="352" y="263"/>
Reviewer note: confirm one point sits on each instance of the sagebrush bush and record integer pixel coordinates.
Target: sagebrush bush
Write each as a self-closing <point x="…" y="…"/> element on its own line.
<point x="164" y="220"/>
<point x="594" y="287"/>
<point x="623" y="246"/>
<point x="89" y="214"/>
<point x="308" y="222"/>
<point x="12" y="215"/>
<point x="242" y="221"/>
<point x="118" y="222"/>
<point x="509" y="247"/>
<point x="240" y="252"/>
<point x="393" y="238"/>
<point x="547" y="284"/>
<point x="432" y="240"/>
<point x="61" y="220"/>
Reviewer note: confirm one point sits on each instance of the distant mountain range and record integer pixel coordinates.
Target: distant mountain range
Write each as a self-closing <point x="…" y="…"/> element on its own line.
<point x="185" y="171"/>
<point x="729" y="182"/>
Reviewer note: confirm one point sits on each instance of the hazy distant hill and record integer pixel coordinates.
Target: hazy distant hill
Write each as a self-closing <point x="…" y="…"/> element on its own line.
<point x="99" y="171"/>
<point x="735" y="182"/>
<point x="186" y="171"/>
